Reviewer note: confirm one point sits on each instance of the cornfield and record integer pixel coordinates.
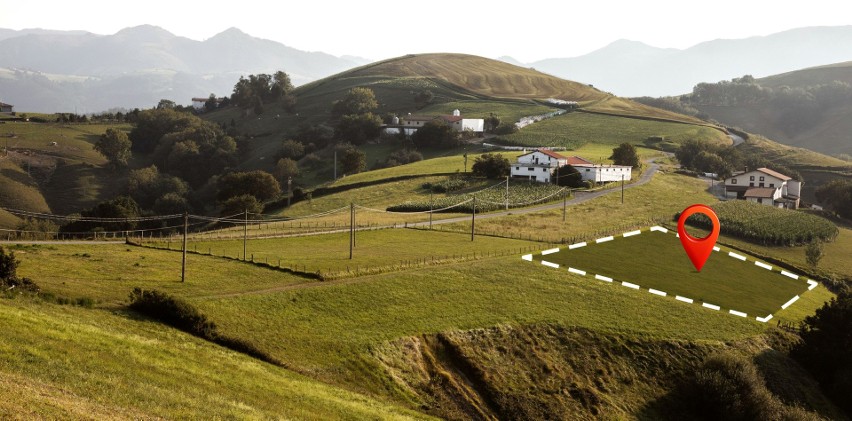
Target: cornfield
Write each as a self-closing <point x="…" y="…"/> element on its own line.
<point x="521" y="193"/>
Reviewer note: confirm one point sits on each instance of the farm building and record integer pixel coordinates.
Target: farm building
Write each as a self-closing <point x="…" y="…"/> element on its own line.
<point x="541" y="165"/>
<point x="456" y="121"/>
<point x="199" y="103"/>
<point x="764" y="186"/>
<point x="6" y="108"/>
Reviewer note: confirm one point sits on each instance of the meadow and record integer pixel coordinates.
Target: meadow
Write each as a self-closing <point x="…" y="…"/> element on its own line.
<point x="657" y="260"/>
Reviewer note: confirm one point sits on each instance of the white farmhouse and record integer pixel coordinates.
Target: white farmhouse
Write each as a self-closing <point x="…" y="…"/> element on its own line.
<point x="764" y="186"/>
<point x="456" y="121"/>
<point x="198" y="103"/>
<point x="541" y="165"/>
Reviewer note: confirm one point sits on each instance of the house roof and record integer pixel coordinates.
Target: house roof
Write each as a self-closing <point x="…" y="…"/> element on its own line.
<point x="775" y="174"/>
<point x="576" y="160"/>
<point x="761" y="192"/>
<point x="3" y="104"/>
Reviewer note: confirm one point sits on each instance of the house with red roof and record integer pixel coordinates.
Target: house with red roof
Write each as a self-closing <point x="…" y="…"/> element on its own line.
<point x="764" y="186"/>
<point x="456" y="121"/>
<point x="540" y="165"/>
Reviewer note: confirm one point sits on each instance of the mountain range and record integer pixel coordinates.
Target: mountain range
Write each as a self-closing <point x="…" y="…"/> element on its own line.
<point x="49" y="71"/>
<point x="632" y="69"/>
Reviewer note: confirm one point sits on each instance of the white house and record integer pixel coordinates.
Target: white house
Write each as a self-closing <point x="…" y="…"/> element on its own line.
<point x="456" y="121"/>
<point x="541" y="165"/>
<point x="6" y="108"/>
<point x="198" y="103"/>
<point x="764" y="186"/>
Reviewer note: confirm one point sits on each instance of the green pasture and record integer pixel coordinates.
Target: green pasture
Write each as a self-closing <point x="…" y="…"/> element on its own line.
<point x="66" y="362"/>
<point x="657" y="260"/>
<point x="507" y="111"/>
<point x="573" y="130"/>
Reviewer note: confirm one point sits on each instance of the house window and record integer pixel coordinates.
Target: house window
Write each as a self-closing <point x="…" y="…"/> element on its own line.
<point x="761" y="178"/>
<point x="761" y="184"/>
<point x="751" y="184"/>
<point x="733" y="181"/>
<point x="587" y="170"/>
<point x="517" y="168"/>
<point x="771" y="184"/>
<point x="751" y="178"/>
<point x="530" y="169"/>
<point x="760" y="200"/>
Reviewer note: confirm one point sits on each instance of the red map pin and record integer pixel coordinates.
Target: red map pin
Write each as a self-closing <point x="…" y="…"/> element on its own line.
<point x="698" y="249"/>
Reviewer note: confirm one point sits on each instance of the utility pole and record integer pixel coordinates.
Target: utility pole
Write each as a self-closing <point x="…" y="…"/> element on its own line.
<point x="431" y="208"/>
<point x="465" y="162"/>
<point x="289" y="189"/>
<point x="622" y="189"/>
<point x="507" y="192"/>
<point x="245" y="235"/>
<point x="564" y="204"/>
<point x="335" y="164"/>
<point x="183" y="262"/>
<point x="351" y="228"/>
<point x="473" y="219"/>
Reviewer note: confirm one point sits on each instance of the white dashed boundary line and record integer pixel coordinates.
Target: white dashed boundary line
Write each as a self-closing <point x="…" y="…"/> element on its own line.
<point x="763" y="265"/>
<point x="811" y="283"/>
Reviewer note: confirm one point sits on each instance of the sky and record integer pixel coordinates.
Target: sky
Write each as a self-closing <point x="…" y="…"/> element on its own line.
<point x="525" y="30"/>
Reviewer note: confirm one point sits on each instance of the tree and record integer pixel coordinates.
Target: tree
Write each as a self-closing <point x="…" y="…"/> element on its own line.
<point x="146" y="185"/>
<point x="358" y="128"/>
<point x="238" y="205"/>
<point x="292" y="149"/>
<point x="115" y="146"/>
<point x="211" y="104"/>
<point x="258" y="184"/>
<point x="826" y="338"/>
<point x="435" y="134"/>
<point x="286" y="168"/>
<point x="492" y="166"/>
<point x="491" y="123"/>
<point x="8" y="265"/>
<point x="166" y="104"/>
<point x="836" y="195"/>
<point x="170" y="204"/>
<point x="122" y="207"/>
<point x="423" y="98"/>
<point x="353" y="161"/>
<point x="357" y="101"/>
<point x="814" y="253"/>
<point x="625" y="154"/>
<point x="568" y="176"/>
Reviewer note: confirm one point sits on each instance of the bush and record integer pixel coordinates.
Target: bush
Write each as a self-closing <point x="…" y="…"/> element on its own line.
<point x="9" y="276"/>
<point x="506" y="129"/>
<point x="491" y="166"/>
<point x="172" y="311"/>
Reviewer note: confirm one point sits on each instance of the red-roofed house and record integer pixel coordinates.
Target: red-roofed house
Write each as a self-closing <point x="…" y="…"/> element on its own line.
<point x="764" y="186"/>
<point x="456" y="121"/>
<point x="541" y="165"/>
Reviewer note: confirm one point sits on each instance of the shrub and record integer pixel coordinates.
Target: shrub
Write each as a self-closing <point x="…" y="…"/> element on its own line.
<point x="9" y="276"/>
<point x="172" y="311"/>
<point x="492" y="166"/>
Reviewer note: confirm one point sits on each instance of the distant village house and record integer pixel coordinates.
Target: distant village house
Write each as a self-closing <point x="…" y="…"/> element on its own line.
<point x="541" y="165"/>
<point x="411" y="123"/>
<point x="6" y="108"/>
<point x="199" y="103"/>
<point x="766" y="187"/>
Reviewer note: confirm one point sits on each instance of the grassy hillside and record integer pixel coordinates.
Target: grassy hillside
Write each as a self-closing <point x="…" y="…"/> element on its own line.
<point x="75" y="363"/>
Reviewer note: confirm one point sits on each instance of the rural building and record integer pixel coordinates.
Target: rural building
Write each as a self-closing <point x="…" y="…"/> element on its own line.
<point x="6" y="108"/>
<point x="198" y="103"/>
<point x="764" y="186"/>
<point x="456" y="121"/>
<point x="541" y="165"/>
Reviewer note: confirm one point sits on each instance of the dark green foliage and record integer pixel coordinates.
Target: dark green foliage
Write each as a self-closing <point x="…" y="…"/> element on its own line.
<point x="814" y="253"/>
<point x="358" y="128"/>
<point x="171" y="204"/>
<point x="729" y="387"/>
<point x="9" y="273"/>
<point x="402" y="157"/>
<point x="625" y="154"/>
<point x="357" y="101"/>
<point x="259" y="184"/>
<point x="491" y="166"/>
<point x="256" y="90"/>
<point x="182" y="315"/>
<point x="152" y="125"/>
<point x="172" y="311"/>
<point x="451" y="184"/>
<point x="767" y="225"/>
<point x="285" y="169"/>
<point x="568" y="176"/>
<point x="435" y="134"/>
<point x="114" y="145"/>
<point x="238" y="205"/>
<point x="825" y="348"/>
<point x="147" y="185"/>
<point x="423" y="98"/>
<point x="292" y="149"/>
<point x="836" y="195"/>
<point x="491" y="123"/>
<point x="123" y="207"/>
<point x="352" y="160"/>
<point x="506" y="129"/>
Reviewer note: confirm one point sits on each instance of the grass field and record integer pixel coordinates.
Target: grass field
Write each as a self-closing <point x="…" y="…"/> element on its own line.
<point x="657" y="260"/>
<point x="65" y="362"/>
<point x="573" y="130"/>
<point x="507" y="111"/>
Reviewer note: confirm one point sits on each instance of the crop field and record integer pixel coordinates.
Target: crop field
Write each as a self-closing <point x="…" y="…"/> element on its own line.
<point x="508" y="112"/>
<point x="655" y="260"/>
<point x="520" y="193"/>
<point x="573" y="130"/>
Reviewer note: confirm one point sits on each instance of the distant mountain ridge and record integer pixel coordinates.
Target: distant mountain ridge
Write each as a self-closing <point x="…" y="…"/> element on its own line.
<point x="631" y="68"/>
<point x="141" y="65"/>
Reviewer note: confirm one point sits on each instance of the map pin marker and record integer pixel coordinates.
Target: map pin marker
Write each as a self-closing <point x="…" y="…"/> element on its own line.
<point x="698" y="249"/>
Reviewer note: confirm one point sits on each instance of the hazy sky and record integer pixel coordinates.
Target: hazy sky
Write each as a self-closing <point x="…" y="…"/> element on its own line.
<point x="526" y="30"/>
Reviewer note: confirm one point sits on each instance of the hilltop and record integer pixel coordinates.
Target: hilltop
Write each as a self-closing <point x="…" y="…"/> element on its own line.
<point x="807" y="108"/>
